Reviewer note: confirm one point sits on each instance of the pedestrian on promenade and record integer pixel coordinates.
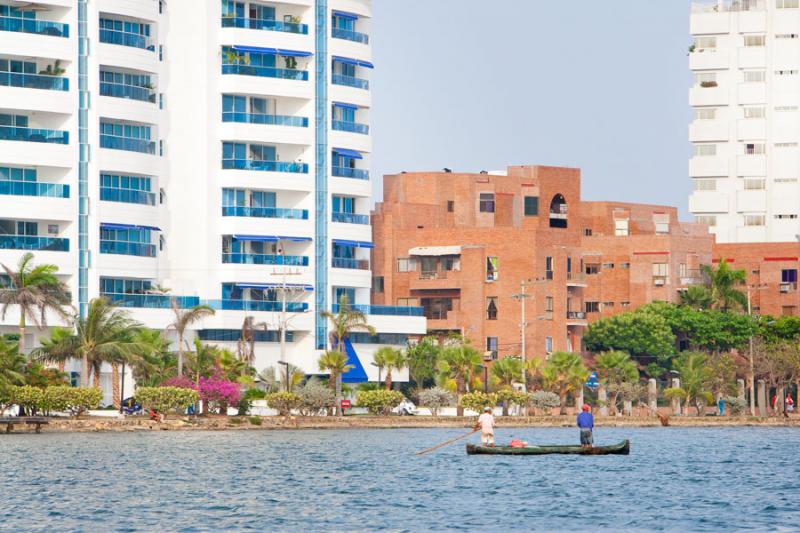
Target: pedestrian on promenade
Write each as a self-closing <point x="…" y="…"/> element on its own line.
<point x="586" y="423"/>
<point x="486" y="424"/>
<point x="789" y="403"/>
<point x="775" y="403"/>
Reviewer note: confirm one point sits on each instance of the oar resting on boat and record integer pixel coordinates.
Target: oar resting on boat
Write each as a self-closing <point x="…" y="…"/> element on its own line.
<point x="622" y="448"/>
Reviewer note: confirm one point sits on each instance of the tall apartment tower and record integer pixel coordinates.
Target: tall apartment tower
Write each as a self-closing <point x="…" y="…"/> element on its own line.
<point x="745" y="166"/>
<point x="218" y="149"/>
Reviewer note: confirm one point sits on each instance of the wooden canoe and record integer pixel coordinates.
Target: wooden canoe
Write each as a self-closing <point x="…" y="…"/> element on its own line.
<point x="623" y="448"/>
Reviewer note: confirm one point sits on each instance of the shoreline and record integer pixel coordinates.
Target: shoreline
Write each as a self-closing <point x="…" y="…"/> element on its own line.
<point x="242" y="423"/>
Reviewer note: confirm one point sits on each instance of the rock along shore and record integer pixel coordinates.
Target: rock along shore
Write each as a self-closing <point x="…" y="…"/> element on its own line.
<point x="241" y="423"/>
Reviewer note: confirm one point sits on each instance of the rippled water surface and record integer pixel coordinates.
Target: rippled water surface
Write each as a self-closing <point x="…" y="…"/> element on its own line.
<point x="697" y="479"/>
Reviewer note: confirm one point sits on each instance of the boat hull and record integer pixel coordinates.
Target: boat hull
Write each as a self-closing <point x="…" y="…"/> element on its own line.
<point x="623" y="448"/>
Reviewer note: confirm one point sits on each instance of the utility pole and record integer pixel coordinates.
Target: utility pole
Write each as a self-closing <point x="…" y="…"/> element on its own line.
<point x="283" y="321"/>
<point x="752" y="366"/>
<point x="522" y="296"/>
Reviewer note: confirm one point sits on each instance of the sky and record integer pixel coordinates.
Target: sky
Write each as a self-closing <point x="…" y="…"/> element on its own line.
<point x="481" y="84"/>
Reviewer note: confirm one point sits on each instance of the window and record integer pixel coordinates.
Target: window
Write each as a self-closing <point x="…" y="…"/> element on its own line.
<point x="754" y="148"/>
<point x="705" y="113"/>
<point x="785" y="145"/>
<point x="608" y="305"/>
<point x="785" y="180"/>
<point x="491" y="308"/>
<point x="592" y="268"/>
<point x="785" y="72"/>
<point x="625" y="266"/>
<point x="621" y="227"/>
<point x="592" y="307"/>
<point x="451" y="262"/>
<point x="789" y="275"/>
<point x="786" y="36"/>
<point x="682" y="270"/>
<point x="662" y="228"/>
<point x="408" y="302"/>
<point x="531" y="206"/>
<point x="708" y="220"/>
<point x="702" y="42"/>
<point x="548" y="304"/>
<point x="754" y="76"/>
<point x="660" y="270"/>
<point x="377" y="284"/>
<point x="754" y="184"/>
<point x="754" y="40"/>
<point x="548" y="344"/>
<point x="587" y="232"/>
<point x="785" y="108"/>
<point x="754" y="111"/>
<point x="703" y="150"/>
<point x="492" y="268"/>
<point x="486" y="202"/>
<point x="548" y="267"/>
<point x="754" y="220"/>
<point x="406" y="264"/>
<point x="705" y="79"/>
<point x="705" y="185"/>
<point x="451" y="206"/>
<point x="491" y="346"/>
<point x="608" y="266"/>
<point x="785" y="217"/>
<point x="624" y="304"/>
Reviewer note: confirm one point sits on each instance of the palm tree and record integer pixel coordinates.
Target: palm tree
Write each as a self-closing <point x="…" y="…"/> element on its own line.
<point x="345" y="321"/>
<point x="722" y="282"/>
<point x="183" y="319"/>
<point x="423" y="359"/>
<point x="106" y="335"/>
<point x="507" y="370"/>
<point x="533" y="371"/>
<point x="12" y="367"/>
<point x="564" y="372"/>
<point x="153" y="363"/>
<point x="697" y="297"/>
<point x="246" y="347"/>
<point x="335" y="362"/>
<point x="614" y="368"/>
<point x="390" y="359"/>
<point x="459" y="362"/>
<point x="36" y="290"/>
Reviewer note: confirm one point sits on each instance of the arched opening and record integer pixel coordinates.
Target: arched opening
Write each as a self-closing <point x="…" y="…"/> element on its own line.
<point x="558" y="212"/>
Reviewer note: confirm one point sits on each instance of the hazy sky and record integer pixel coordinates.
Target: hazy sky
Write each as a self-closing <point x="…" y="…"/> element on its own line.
<point x="480" y="84"/>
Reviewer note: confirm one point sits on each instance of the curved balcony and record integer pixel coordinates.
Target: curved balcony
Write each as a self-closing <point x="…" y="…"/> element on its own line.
<point x="14" y="133"/>
<point x="350" y="35"/>
<point x="128" y="248"/>
<point x="349" y="263"/>
<point x="28" y="242"/>
<point x="350" y="81"/>
<point x="128" y="144"/>
<point x="36" y="27"/>
<point x="264" y="24"/>
<point x="255" y="305"/>
<point x="265" y="72"/>
<point x="352" y="127"/>
<point x="128" y="196"/>
<point x="264" y="259"/>
<point x="269" y="120"/>
<point x="266" y="166"/>
<point x="134" y="40"/>
<point x="350" y="218"/>
<point x="151" y="301"/>
<point x="131" y="92"/>
<point x="32" y="188"/>
<point x="390" y="310"/>
<point x="265" y="212"/>
<point x="347" y="172"/>
<point x="34" y="81"/>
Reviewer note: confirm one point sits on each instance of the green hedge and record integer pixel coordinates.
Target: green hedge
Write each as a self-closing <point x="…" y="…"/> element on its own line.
<point x="165" y="399"/>
<point x="477" y="401"/>
<point x="379" y="401"/>
<point x="284" y="402"/>
<point x="60" y="398"/>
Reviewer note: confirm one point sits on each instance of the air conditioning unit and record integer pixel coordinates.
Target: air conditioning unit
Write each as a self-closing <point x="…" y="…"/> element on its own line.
<point x="786" y="287"/>
<point x="659" y="282"/>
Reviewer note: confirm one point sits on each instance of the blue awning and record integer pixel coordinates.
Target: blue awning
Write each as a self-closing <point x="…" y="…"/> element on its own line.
<point x="289" y="286"/>
<point x="271" y="51"/>
<point x="357" y="374"/>
<point x="350" y="61"/>
<point x="354" y="244"/>
<point x="348" y="153"/>
<point x="345" y="15"/>
<point x="269" y="238"/>
<point x="106" y="225"/>
<point x="345" y="106"/>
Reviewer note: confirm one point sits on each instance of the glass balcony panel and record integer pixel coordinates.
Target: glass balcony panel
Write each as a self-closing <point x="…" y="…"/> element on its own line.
<point x="264" y="259"/>
<point x="132" y="92"/>
<point x="127" y="196"/>
<point x="350" y="81"/>
<point x="265" y="72"/>
<point x="350" y="263"/>
<point x="128" y="144"/>
<point x="13" y="133"/>
<point x="350" y="218"/>
<point x="255" y="305"/>
<point x="350" y="35"/>
<point x="128" y="248"/>
<point x="264" y="212"/>
<point x="347" y="172"/>
<point x="269" y="120"/>
<point x="392" y="310"/>
<point x="28" y="242"/>
<point x="152" y="301"/>
<point x="38" y="27"/>
<point x="122" y="38"/>
<point x="32" y="188"/>
<point x="352" y="127"/>
<point x="264" y="24"/>
<point x="267" y="166"/>
<point x="34" y="81"/>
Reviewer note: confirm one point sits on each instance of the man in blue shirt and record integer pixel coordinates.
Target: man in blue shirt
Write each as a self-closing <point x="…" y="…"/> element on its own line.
<point x="586" y="423"/>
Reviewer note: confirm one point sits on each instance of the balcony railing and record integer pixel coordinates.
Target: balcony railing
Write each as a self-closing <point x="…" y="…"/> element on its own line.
<point x="267" y="166"/>
<point x="28" y="242"/>
<point x="152" y="301"/>
<point x="350" y="81"/>
<point x="350" y="35"/>
<point x="433" y="274"/>
<point x="264" y="259"/>
<point x="352" y="127"/>
<point x="128" y="144"/>
<point x="265" y="212"/>
<point x="350" y="218"/>
<point x="133" y="40"/>
<point x="255" y="305"/>
<point x="352" y="264"/>
<point x="128" y="248"/>
<point x="390" y="310"/>
<point x="131" y="92"/>
<point x="575" y="277"/>
<point x="347" y="172"/>
<point x="269" y="120"/>
<point x="576" y="315"/>
<point x="38" y="27"/>
<point x="13" y="133"/>
<point x="264" y="24"/>
<point x="34" y="81"/>
<point x="265" y="72"/>
<point x="127" y="196"/>
<point x="32" y="188"/>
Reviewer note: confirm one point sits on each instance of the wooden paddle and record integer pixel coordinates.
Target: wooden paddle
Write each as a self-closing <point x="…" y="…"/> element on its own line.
<point x="445" y="443"/>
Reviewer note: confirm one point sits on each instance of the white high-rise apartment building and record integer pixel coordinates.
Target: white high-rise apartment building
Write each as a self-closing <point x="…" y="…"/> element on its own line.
<point x="216" y="148"/>
<point x="745" y="166"/>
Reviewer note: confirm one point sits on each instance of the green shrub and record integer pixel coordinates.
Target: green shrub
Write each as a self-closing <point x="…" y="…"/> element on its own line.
<point x="165" y="399"/>
<point x="62" y="398"/>
<point x="379" y="401"/>
<point x="316" y="397"/>
<point x="672" y="393"/>
<point x="477" y="401"/>
<point x="255" y="420"/>
<point x="284" y="402"/>
<point x="737" y="405"/>
<point x="435" y="398"/>
<point x="544" y="400"/>
<point x="29" y="398"/>
<point x="235" y="420"/>
<point x="254" y="394"/>
<point x="511" y="397"/>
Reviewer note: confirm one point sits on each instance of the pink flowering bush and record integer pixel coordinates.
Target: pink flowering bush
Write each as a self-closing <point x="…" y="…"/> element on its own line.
<point x="182" y="382"/>
<point x="219" y="393"/>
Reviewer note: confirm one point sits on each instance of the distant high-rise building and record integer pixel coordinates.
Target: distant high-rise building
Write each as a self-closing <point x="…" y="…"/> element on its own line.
<point x="745" y="165"/>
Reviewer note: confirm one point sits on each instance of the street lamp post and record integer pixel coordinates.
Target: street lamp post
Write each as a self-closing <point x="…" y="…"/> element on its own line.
<point x="522" y="296"/>
<point x="286" y="373"/>
<point x="380" y="368"/>
<point x="752" y="376"/>
<point x="485" y="379"/>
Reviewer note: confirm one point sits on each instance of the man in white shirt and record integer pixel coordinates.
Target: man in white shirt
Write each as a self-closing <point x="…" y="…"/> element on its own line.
<point x="486" y="424"/>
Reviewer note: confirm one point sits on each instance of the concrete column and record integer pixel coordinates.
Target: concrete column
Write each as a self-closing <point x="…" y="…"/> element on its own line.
<point x="602" y="398"/>
<point x="652" y="396"/>
<point x="627" y="407"/>
<point x="676" y="402"/>
<point x="779" y="401"/>
<point x="761" y="397"/>
<point x="740" y="388"/>
<point x="579" y="400"/>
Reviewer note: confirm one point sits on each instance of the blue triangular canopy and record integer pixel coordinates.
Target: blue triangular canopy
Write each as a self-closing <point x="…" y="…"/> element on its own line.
<point x="357" y="374"/>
